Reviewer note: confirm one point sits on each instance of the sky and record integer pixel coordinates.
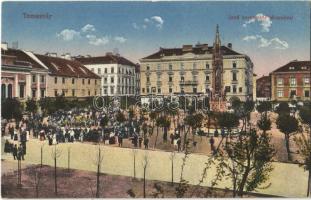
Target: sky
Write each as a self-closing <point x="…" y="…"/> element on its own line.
<point x="270" y="33"/>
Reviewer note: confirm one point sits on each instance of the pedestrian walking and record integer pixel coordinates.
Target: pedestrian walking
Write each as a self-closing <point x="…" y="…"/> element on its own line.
<point x="146" y="142"/>
<point x="14" y="152"/>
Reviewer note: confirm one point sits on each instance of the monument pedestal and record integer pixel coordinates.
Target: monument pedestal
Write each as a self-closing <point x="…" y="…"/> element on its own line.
<point x="218" y="106"/>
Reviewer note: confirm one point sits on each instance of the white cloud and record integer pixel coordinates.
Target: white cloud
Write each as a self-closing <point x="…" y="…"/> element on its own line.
<point x="156" y="21"/>
<point x="265" y="22"/>
<point x="88" y="28"/>
<point x="274" y="43"/>
<point x="120" y="39"/>
<point x="135" y="26"/>
<point x="68" y="34"/>
<point x="96" y="41"/>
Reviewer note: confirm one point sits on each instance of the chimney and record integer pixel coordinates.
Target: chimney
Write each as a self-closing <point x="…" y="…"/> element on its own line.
<point x="230" y="45"/>
<point x="68" y="56"/>
<point x="4" y="46"/>
<point x="186" y="48"/>
<point x="51" y="54"/>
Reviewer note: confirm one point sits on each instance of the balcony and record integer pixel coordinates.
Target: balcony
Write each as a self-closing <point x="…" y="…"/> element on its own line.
<point x="188" y="82"/>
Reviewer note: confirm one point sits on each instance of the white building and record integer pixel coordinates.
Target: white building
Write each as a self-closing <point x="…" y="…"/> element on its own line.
<point x="118" y="76"/>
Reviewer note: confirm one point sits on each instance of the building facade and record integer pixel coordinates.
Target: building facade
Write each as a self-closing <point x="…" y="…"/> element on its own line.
<point x="118" y="74"/>
<point x="216" y="71"/>
<point x="36" y="76"/>
<point x="291" y="81"/>
<point x="263" y="85"/>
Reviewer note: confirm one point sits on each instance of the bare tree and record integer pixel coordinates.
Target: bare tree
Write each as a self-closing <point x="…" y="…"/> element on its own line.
<point x="35" y="172"/>
<point x="56" y="153"/>
<point x="134" y="151"/>
<point x="145" y="165"/>
<point x="98" y="162"/>
<point x="172" y="157"/>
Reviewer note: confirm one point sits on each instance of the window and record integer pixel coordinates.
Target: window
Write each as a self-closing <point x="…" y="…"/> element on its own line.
<point x="111" y="89"/>
<point x="170" y="79"/>
<point x="293" y="81"/>
<point x="112" y="80"/>
<point x="234" y="65"/>
<point x="73" y="93"/>
<point x="105" y="80"/>
<point x="105" y="70"/>
<point x="95" y="92"/>
<point x="55" y="80"/>
<point x="118" y="79"/>
<point x="148" y="79"/>
<point x="306" y="80"/>
<point x="182" y="90"/>
<point x="228" y="89"/>
<point x="95" y="83"/>
<point x="33" y="93"/>
<point x="99" y="71"/>
<point x="63" y="81"/>
<point x="280" y="93"/>
<point x="83" y="81"/>
<point x="105" y="90"/>
<point x="89" y="81"/>
<point x="234" y="88"/>
<point x="307" y="93"/>
<point x="279" y="81"/>
<point x="194" y="90"/>
<point x="148" y="68"/>
<point x="234" y="76"/>
<point x="182" y="79"/>
<point x="170" y="90"/>
<point x="112" y="70"/>
<point x="89" y="92"/>
<point x="55" y="93"/>
<point x="207" y="78"/>
<point x="21" y="90"/>
<point x="159" y="67"/>
<point x="33" y="78"/>
<point x="73" y="81"/>
<point x="42" y="79"/>
<point x="240" y="89"/>
<point x="63" y="93"/>
<point x="181" y="66"/>
<point x="143" y="90"/>
<point x="82" y="92"/>
<point x="207" y="66"/>
<point x="148" y="90"/>
<point x="170" y="67"/>
<point x="159" y="90"/>
<point x="292" y="93"/>
<point x="42" y="93"/>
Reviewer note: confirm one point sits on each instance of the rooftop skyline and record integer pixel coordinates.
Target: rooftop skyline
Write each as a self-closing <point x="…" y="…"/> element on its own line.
<point x="271" y="34"/>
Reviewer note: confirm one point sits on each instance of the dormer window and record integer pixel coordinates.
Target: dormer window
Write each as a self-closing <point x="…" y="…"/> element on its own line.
<point x="291" y="68"/>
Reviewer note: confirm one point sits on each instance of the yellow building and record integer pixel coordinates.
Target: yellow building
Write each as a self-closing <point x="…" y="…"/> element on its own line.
<point x="215" y="71"/>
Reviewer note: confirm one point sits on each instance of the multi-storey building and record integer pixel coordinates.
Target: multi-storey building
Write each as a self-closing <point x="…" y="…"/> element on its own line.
<point x="263" y="85"/>
<point x="20" y="77"/>
<point x="291" y="81"/>
<point x="25" y="74"/>
<point x="216" y="71"/>
<point x="118" y="76"/>
<point x="137" y="86"/>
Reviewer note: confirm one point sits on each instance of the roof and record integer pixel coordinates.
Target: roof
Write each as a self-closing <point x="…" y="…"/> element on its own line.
<point x="295" y="66"/>
<point x="198" y="50"/>
<point x="56" y="66"/>
<point x="263" y="78"/>
<point x="21" y="56"/>
<point x="63" y="67"/>
<point x="107" y="59"/>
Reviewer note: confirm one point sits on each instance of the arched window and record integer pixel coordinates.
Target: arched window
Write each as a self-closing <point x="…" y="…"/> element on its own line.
<point x="10" y="92"/>
<point x="3" y="91"/>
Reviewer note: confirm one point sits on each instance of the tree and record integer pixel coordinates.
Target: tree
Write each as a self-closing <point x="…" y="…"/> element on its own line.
<point x="264" y="123"/>
<point x="227" y="121"/>
<point x="56" y="153"/>
<point x="31" y="106"/>
<point x="194" y="121"/>
<point x="120" y="117"/>
<point x="264" y="106"/>
<point x="11" y="109"/>
<point x="153" y="116"/>
<point x="283" y="108"/>
<point x="288" y="125"/>
<point x="134" y="151"/>
<point x="248" y="161"/>
<point x="304" y="143"/>
<point x="172" y="157"/>
<point x="145" y="165"/>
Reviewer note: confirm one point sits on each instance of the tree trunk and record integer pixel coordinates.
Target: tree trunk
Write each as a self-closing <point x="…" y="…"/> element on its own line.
<point x="309" y="185"/>
<point x="242" y="184"/>
<point x="134" y="166"/>
<point x="155" y="142"/>
<point x="287" y="147"/>
<point x="172" y="171"/>
<point x="55" y="176"/>
<point x="41" y="161"/>
<point x="185" y="138"/>
<point x="68" y="167"/>
<point x="144" y="182"/>
<point x="98" y="174"/>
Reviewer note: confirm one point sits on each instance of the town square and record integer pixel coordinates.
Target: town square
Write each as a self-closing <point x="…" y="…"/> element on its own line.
<point x="155" y="100"/>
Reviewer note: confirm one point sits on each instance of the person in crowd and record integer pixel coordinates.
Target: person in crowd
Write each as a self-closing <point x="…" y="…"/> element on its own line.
<point x="178" y="144"/>
<point x="146" y="142"/>
<point x="140" y="140"/>
<point x="14" y="152"/>
<point x="120" y="140"/>
<point x="20" y="152"/>
<point x="212" y="141"/>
